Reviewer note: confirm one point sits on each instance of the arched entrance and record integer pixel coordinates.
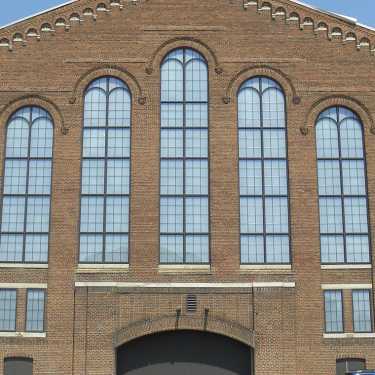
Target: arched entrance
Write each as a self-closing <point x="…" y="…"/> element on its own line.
<point x="184" y="352"/>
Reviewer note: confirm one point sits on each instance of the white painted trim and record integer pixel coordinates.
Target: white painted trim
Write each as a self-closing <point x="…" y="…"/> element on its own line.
<point x="345" y="266"/>
<point x="22" y="286"/>
<point x="349" y="335"/>
<point x="106" y="284"/>
<point x="23" y="334"/>
<point x="271" y="267"/>
<point x="345" y="286"/>
<point x="102" y="268"/>
<point x="24" y="265"/>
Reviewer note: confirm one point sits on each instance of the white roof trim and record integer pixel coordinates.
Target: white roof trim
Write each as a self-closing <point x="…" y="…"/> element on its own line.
<point x="38" y="14"/>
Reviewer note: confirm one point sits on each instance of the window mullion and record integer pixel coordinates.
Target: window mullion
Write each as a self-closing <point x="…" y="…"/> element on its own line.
<point x="184" y="153"/>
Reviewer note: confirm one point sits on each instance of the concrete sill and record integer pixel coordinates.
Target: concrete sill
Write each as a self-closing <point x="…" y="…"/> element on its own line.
<point x="345" y="266"/>
<point x="23" y="265"/>
<point x="266" y="267"/>
<point x="349" y="335"/>
<point x="24" y="334"/>
<point x="184" y="268"/>
<point x="102" y="268"/>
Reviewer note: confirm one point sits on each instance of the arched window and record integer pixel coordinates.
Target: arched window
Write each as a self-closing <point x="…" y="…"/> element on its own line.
<point x="344" y="232"/>
<point x="184" y="174"/>
<point x="26" y="198"/>
<point x="263" y="173"/>
<point x="105" y="189"/>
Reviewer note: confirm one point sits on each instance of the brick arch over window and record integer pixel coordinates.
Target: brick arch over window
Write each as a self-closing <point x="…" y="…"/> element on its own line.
<point x="113" y="71"/>
<point x="183" y="42"/>
<point x="182" y="322"/>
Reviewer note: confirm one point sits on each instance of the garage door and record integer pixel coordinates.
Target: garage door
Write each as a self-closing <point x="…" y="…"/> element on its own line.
<point x="184" y="353"/>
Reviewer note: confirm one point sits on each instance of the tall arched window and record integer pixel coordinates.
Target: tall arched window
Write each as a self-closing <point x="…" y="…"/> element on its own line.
<point x="263" y="173"/>
<point x="184" y="174"/>
<point x="105" y="189"/>
<point x="26" y="197"/>
<point x="344" y="231"/>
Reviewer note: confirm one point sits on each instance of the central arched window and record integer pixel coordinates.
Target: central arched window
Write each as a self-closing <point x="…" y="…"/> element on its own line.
<point x="25" y="211"/>
<point x="184" y="171"/>
<point x="104" y="225"/>
<point x="344" y="229"/>
<point x="263" y="173"/>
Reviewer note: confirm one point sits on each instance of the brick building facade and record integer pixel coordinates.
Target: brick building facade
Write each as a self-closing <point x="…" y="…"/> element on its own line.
<point x="285" y="310"/>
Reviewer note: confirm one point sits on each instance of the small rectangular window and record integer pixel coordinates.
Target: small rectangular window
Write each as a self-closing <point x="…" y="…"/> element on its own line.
<point x="8" y="304"/>
<point x="35" y="311"/>
<point x="14" y="366"/>
<point x="333" y="311"/>
<point x="362" y="314"/>
<point x="343" y="366"/>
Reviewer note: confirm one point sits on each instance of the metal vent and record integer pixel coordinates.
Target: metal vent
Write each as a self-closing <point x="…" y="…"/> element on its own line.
<point x="191" y="303"/>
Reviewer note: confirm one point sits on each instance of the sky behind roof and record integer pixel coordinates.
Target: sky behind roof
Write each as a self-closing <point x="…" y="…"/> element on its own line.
<point x="363" y="10"/>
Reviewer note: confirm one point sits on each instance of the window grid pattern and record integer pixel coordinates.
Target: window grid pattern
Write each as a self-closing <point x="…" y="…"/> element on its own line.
<point x="334" y="315"/>
<point x="362" y="311"/>
<point x="344" y="226"/>
<point x="263" y="173"/>
<point x="25" y="208"/>
<point x="105" y="186"/>
<point x="35" y="310"/>
<point x="184" y="167"/>
<point x="8" y="307"/>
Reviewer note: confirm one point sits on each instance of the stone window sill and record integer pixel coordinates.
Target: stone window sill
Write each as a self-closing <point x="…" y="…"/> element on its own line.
<point x="349" y="335"/>
<point x="102" y="268"/>
<point x="266" y="267"/>
<point x="24" y="334"/>
<point x="345" y="266"/>
<point x="24" y="265"/>
<point x="184" y="268"/>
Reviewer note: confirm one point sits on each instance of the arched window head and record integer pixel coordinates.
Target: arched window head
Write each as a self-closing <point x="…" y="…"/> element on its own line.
<point x="344" y="232"/>
<point x="263" y="173"/>
<point x="105" y="189"/>
<point x="26" y="197"/>
<point x="184" y="200"/>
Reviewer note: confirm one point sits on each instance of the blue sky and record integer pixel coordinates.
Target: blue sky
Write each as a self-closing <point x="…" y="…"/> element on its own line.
<point x="363" y="10"/>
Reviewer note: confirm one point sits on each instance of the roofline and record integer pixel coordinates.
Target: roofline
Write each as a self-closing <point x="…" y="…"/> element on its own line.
<point x="37" y="14"/>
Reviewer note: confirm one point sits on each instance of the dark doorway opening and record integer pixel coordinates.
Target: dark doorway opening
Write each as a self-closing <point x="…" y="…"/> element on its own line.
<point x="184" y="353"/>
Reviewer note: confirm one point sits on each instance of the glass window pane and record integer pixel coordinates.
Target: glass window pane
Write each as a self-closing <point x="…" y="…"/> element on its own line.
<point x="249" y="113"/>
<point x="38" y="214"/>
<point x="327" y="144"/>
<point x="172" y="81"/>
<point x="273" y="108"/>
<point x="275" y="177"/>
<point x="171" y="249"/>
<point x="277" y="249"/>
<point x="35" y="311"/>
<point x="118" y="176"/>
<point x="357" y="249"/>
<point x="251" y="212"/>
<point x="13" y="214"/>
<point x="171" y="177"/>
<point x="250" y="144"/>
<point x="274" y="143"/>
<point x="196" y="177"/>
<point x="333" y="311"/>
<point x="196" y="84"/>
<point x="171" y="215"/>
<point x="36" y="248"/>
<point x="172" y="115"/>
<point x="116" y="248"/>
<point x="196" y="143"/>
<point x="330" y="215"/>
<point x="119" y="143"/>
<point x="196" y="115"/>
<point x="119" y="107"/>
<point x="92" y="214"/>
<point x="8" y="302"/>
<point x="251" y="182"/>
<point x="95" y="108"/>
<point x="196" y="211"/>
<point x="17" y="143"/>
<point x="40" y="177"/>
<point x="356" y="215"/>
<point x="91" y="248"/>
<point x="197" y="249"/>
<point x="332" y="248"/>
<point x="353" y="173"/>
<point x="93" y="176"/>
<point x="276" y="210"/>
<point x="172" y="143"/>
<point x="351" y="139"/>
<point x="11" y="248"/>
<point x="362" y="319"/>
<point x="329" y="177"/>
<point x="41" y="139"/>
<point x="93" y="143"/>
<point x="15" y="176"/>
<point x="252" y="249"/>
<point x="117" y="220"/>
